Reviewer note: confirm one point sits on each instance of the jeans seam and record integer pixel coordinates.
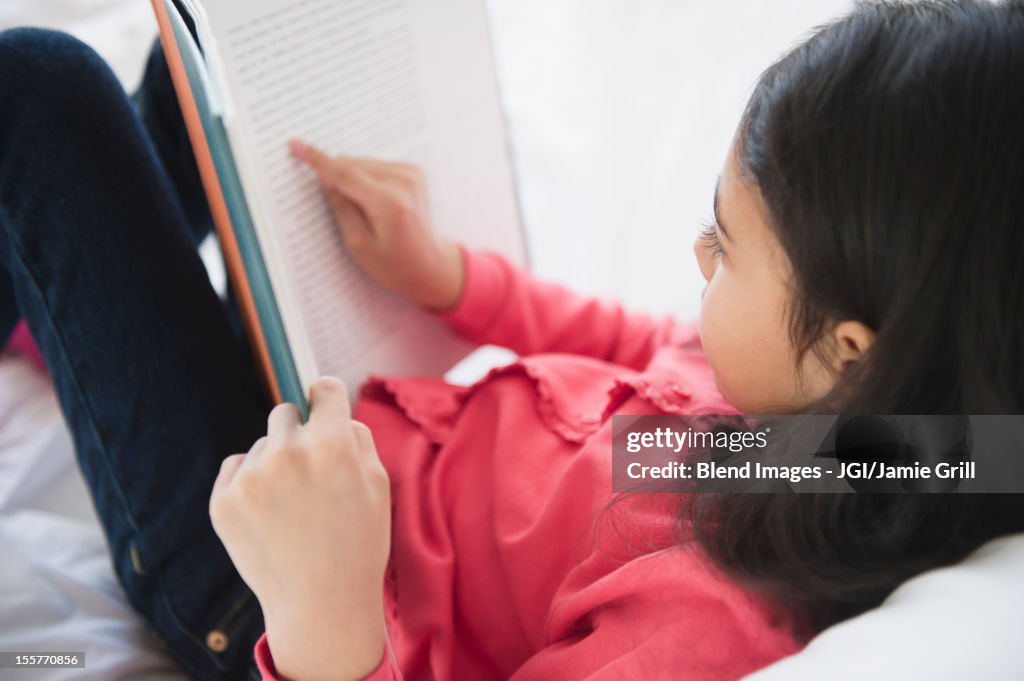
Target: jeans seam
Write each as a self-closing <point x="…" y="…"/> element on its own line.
<point x="91" y="418"/>
<point x="231" y="617"/>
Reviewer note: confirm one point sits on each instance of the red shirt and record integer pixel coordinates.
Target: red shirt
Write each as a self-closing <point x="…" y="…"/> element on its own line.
<point x="507" y="561"/>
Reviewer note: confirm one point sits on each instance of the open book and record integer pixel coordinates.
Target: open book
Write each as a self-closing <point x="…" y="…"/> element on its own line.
<point x="401" y="80"/>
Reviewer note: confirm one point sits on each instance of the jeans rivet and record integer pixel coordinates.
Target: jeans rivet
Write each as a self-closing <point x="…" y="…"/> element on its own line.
<point x="217" y="641"/>
<point x="136" y="561"/>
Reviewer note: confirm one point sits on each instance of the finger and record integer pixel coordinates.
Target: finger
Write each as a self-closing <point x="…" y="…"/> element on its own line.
<point x="228" y="468"/>
<point x="364" y="439"/>
<point x="386" y="170"/>
<point x="258" y="447"/>
<point x="321" y="161"/>
<point x="347" y="177"/>
<point x="329" y="409"/>
<point x="355" y="229"/>
<point x="283" y="422"/>
<point x="310" y="155"/>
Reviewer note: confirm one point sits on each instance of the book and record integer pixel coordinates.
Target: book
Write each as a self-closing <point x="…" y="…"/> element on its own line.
<point x="401" y="80"/>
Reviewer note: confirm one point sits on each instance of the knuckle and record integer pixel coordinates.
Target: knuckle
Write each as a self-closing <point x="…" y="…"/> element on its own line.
<point x="417" y="178"/>
<point x="330" y="384"/>
<point x="363" y="436"/>
<point x="222" y="508"/>
<point x="289" y="452"/>
<point x="284" y="407"/>
<point x="406" y="180"/>
<point x="245" y="484"/>
<point x="217" y="508"/>
<point x="403" y="208"/>
<point x="231" y="460"/>
<point x="378" y="482"/>
<point x="250" y="484"/>
<point x="361" y="429"/>
<point x="377" y="474"/>
<point x="407" y="205"/>
<point x="280" y="411"/>
<point x="323" y="439"/>
<point x="333" y="391"/>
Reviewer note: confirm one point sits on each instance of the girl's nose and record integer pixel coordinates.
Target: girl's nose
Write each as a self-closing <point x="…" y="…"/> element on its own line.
<point x="704" y="259"/>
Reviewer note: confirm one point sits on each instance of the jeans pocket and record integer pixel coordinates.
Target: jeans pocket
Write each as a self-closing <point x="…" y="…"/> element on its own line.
<point x="211" y="632"/>
<point x="239" y="613"/>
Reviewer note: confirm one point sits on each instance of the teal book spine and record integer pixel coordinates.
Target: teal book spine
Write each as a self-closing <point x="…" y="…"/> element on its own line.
<point x="285" y="382"/>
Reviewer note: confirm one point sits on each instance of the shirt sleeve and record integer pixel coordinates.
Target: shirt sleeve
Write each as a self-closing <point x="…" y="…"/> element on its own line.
<point x="504" y="305"/>
<point x="387" y="670"/>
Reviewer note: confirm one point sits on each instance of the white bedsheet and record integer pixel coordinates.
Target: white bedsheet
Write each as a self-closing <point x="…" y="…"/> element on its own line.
<point x="57" y="586"/>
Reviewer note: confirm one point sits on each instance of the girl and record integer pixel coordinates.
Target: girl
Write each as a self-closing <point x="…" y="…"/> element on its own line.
<point x="865" y="258"/>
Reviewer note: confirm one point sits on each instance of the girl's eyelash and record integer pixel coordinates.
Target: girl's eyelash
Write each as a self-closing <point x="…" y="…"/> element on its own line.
<point x="709" y="237"/>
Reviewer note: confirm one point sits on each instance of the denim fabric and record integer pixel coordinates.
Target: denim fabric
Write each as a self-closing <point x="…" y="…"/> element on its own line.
<point x="101" y="210"/>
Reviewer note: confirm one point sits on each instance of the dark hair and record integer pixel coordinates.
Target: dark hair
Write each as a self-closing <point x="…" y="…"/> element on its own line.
<point x="888" y="149"/>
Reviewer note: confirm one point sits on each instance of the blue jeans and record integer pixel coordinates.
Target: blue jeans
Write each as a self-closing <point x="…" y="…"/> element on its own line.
<point x="101" y="211"/>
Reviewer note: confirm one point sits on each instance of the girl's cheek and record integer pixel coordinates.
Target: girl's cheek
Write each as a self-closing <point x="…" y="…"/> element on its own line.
<point x="731" y="340"/>
<point x="715" y="336"/>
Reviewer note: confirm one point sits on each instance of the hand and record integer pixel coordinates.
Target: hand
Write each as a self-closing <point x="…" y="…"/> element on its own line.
<point x="382" y="210"/>
<point x="306" y="519"/>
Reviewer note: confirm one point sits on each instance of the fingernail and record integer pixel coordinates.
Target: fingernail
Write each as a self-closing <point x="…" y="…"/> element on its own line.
<point x="297" y="147"/>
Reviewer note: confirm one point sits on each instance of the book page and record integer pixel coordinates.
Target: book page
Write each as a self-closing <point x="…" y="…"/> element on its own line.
<point x="343" y="64"/>
<point x="365" y="78"/>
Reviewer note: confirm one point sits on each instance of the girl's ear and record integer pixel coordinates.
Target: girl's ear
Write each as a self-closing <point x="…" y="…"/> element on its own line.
<point x="852" y="339"/>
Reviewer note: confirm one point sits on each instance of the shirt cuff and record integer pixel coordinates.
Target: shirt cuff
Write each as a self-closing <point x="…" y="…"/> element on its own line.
<point x="385" y="671"/>
<point x="483" y="291"/>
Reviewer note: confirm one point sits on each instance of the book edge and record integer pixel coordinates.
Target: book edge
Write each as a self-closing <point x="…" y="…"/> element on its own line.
<point x="217" y="202"/>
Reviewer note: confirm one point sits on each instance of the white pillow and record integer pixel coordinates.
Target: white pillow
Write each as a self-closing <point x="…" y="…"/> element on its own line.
<point x="961" y="622"/>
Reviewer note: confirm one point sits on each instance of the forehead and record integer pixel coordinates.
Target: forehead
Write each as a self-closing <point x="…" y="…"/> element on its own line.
<point x="743" y="211"/>
<point x="739" y="203"/>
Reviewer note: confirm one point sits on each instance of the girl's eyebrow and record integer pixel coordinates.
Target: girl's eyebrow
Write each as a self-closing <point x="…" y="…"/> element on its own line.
<point x="718" y="219"/>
